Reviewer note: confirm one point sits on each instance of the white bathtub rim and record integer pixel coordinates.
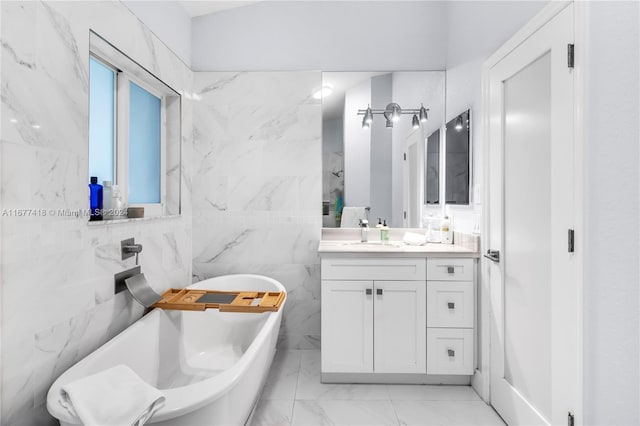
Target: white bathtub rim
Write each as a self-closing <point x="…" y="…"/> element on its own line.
<point x="186" y="399"/>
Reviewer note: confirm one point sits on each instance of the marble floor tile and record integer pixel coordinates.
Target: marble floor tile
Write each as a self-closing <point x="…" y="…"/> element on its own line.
<point x="283" y="376"/>
<point x="431" y="393"/>
<point x="427" y="413"/>
<point x="310" y="387"/>
<point x="370" y="413"/>
<point x="273" y="412"/>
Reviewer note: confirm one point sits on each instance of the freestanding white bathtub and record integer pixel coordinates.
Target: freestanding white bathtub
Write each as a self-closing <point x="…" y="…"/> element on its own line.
<point x="210" y="365"/>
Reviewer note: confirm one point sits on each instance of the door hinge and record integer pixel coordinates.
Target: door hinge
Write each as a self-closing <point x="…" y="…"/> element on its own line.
<point x="405" y="156"/>
<point x="570" y="55"/>
<point x="571" y="419"/>
<point x="571" y="237"/>
<point x="405" y="214"/>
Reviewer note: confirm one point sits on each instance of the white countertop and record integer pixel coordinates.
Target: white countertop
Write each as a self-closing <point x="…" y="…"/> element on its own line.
<point x="393" y="249"/>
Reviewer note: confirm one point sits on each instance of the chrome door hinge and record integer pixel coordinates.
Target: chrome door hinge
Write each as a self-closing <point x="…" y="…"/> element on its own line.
<point x="570" y="55"/>
<point x="571" y="242"/>
<point x="571" y="419"/>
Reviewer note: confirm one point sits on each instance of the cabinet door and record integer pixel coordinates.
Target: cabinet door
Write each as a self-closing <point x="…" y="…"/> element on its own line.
<point x="400" y="312"/>
<point x="347" y="326"/>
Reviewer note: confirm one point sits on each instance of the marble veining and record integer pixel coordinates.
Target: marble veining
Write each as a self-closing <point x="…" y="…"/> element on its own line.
<point x="257" y="186"/>
<point x="306" y="401"/>
<point x="57" y="291"/>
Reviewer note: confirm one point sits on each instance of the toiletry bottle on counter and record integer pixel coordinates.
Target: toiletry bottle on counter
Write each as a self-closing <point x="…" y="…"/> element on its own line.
<point x="384" y="232"/>
<point x="95" y="199"/>
<point x="447" y="231"/>
<point x="116" y="203"/>
<point x="107" y="194"/>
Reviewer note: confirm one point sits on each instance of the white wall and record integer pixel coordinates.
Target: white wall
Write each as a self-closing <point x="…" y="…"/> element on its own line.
<point x="612" y="277"/>
<point x="319" y="35"/>
<point x="380" y="140"/>
<point x="475" y="30"/>
<point x="168" y="21"/>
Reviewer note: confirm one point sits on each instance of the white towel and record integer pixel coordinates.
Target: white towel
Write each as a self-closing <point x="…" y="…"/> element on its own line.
<point x="413" y="239"/>
<point x="113" y="397"/>
<point x="351" y="215"/>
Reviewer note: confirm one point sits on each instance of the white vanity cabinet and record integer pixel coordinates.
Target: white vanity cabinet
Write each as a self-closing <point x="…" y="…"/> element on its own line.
<point x="374" y="315"/>
<point x="450" y="316"/>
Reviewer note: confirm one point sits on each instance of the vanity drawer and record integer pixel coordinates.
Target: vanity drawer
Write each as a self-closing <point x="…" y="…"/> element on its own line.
<point x="450" y="269"/>
<point x="450" y="351"/>
<point x="400" y="269"/>
<point x="450" y="304"/>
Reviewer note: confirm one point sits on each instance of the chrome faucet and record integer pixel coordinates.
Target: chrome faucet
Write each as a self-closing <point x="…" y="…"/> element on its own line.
<point x="129" y="249"/>
<point x="133" y="248"/>
<point x="364" y="230"/>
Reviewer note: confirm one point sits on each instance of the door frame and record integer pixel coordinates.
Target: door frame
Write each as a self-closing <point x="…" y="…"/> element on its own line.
<point x="414" y="137"/>
<point x="482" y="377"/>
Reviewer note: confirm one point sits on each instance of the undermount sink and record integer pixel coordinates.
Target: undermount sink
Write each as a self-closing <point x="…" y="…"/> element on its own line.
<point x="372" y="244"/>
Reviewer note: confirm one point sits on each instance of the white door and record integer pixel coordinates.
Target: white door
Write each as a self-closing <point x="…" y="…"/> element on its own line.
<point x="400" y="324"/>
<point x="413" y="176"/>
<point x="534" y="299"/>
<point x="347" y="326"/>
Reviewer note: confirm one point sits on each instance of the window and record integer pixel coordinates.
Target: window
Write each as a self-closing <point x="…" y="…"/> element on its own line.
<point x="131" y="115"/>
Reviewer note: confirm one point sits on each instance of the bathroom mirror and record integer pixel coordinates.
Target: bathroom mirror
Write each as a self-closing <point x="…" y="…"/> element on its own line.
<point x="368" y="167"/>
<point x="457" y="160"/>
<point x="432" y="176"/>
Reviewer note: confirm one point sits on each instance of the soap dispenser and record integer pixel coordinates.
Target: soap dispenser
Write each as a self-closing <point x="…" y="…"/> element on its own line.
<point x="447" y="231"/>
<point x="107" y="194"/>
<point x="384" y="232"/>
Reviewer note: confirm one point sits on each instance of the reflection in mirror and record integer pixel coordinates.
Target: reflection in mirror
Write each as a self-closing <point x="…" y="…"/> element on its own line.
<point x="365" y="167"/>
<point x="432" y="195"/>
<point x="457" y="159"/>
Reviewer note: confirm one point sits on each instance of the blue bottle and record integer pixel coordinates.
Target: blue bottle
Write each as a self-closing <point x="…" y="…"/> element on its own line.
<point x="95" y="199"/>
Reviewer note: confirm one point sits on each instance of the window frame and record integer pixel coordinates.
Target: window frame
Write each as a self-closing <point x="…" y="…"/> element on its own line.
<point x="127" y="71"/>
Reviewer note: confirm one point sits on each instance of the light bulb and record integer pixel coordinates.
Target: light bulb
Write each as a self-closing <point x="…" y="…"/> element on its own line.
<point x="416" y="122"/>
<point x="424" y="115"/>
<point x="459" y="123"/>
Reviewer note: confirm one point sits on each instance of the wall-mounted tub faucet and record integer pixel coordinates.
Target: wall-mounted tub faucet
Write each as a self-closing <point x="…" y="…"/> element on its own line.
<point x="133" y="248"/>
<point x="129" y="248"/>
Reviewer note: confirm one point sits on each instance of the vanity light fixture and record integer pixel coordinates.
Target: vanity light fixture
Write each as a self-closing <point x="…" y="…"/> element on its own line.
<point x="459" y="123"/>
<point x="416" y="122"/>
<point x="392" y="113"/>
<point x="368" y="115"/>
<point x="424" y="115"/>
<point x="389" y="124"/>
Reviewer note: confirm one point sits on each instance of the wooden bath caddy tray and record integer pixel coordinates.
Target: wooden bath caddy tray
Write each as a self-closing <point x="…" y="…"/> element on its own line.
<point x="225" y="301"/>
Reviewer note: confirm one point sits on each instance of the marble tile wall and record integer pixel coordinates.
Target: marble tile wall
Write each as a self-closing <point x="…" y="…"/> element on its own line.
<point x="257" y="186"/>
<point x="57" y="271"/>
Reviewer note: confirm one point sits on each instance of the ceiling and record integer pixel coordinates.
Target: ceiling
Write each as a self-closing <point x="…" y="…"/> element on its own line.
<point x="205" y="7"/>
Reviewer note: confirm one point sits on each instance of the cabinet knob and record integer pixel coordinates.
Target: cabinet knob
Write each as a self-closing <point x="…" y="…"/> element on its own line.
<point x="378" y="291"/>
<point x="451" y="352"/>
<point x="368" y="291"/>
<point x="451" y="269"/>
<point x="451" y="305"/>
